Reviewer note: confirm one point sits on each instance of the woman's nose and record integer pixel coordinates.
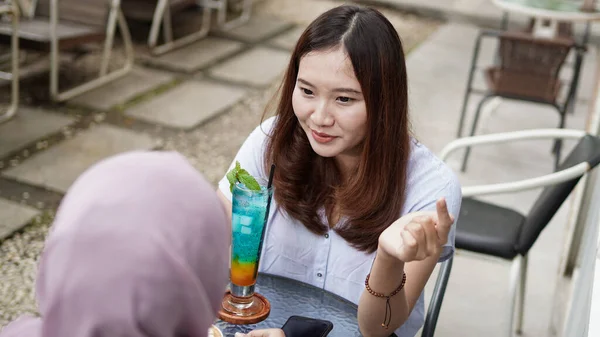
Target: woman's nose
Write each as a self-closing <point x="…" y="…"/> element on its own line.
<point x="321" y="116"/>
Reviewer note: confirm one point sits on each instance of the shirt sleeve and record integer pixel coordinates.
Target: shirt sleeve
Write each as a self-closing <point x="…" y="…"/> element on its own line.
<point x="250" y="155"/>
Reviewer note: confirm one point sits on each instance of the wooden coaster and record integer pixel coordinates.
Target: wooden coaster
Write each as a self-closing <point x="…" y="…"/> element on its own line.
<point x="252" y="319"/>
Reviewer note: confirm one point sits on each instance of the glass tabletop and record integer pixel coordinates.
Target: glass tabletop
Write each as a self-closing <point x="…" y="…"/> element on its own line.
<point x="567" y="6"/>
<point x="289" y="297"/>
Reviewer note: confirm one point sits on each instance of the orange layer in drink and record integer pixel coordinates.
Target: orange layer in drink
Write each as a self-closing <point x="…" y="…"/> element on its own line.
<point x="242" y="273"/>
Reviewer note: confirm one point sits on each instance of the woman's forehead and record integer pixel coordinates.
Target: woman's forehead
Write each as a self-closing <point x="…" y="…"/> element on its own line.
<point x="332" y="67"/>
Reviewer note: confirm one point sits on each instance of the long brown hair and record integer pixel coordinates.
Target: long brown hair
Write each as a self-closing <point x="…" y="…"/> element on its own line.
<point x="304" y="181"/>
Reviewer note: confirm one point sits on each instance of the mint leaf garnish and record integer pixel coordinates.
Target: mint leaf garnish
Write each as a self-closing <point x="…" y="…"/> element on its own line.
<point x="232" y="179"/>
<point x="249" y="181"/>
<point x="238" y="174"/>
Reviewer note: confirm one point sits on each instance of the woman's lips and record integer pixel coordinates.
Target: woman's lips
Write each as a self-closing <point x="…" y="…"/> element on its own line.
<point x="322" y="137"/>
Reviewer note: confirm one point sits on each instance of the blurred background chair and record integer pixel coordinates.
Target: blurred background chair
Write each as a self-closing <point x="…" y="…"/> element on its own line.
<point x="527" y="68"/>
<point x="11" y="9"/>
<point x="27" y="7"/>
<point x="71" y="26"/>
<point x="504" y="233"/>
<point x="161" y="15"/>
<point x="225" y="6"/>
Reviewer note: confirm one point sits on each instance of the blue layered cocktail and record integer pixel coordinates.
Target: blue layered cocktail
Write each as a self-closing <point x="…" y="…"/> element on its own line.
<point x="250" y="207"/>
<point x="248" y="222"/>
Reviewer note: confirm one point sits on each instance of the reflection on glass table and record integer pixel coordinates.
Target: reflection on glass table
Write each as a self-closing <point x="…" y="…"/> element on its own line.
<point x="289" y="297"/>
<point x="554" y="5"/>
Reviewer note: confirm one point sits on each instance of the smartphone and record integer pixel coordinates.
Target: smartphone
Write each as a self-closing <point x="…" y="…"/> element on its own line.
<point x="298" y="326"/>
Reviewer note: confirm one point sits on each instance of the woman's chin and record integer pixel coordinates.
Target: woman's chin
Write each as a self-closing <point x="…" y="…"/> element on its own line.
<point x="326" y="151"/>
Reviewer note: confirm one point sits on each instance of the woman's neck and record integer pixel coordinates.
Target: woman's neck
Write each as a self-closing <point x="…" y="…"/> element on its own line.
<point x="346" y="164"/>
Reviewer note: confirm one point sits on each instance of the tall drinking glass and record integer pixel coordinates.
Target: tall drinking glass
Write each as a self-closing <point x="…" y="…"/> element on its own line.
<point x="249" y="217"/>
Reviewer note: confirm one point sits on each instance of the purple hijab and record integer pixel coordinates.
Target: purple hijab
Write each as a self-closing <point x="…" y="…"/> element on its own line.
<point x="139" y="248"/>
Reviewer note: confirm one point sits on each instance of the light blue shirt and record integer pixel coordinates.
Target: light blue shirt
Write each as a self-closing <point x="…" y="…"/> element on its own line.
<point x="328" y="261"/>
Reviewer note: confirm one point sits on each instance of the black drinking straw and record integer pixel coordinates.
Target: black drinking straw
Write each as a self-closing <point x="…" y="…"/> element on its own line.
<point x="269" y="184"/>
<point x="264" y="229"/>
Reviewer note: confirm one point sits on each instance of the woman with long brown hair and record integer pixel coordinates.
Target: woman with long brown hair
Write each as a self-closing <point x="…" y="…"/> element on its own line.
<point x="360" y="208"/>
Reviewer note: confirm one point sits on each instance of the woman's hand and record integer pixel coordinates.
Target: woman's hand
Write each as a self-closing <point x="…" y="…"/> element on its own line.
<point x="417" y="236"/>
<point x="262" y="333"/>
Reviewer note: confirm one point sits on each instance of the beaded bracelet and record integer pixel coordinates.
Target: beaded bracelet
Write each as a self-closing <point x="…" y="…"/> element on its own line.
<point x="388" y="308"/>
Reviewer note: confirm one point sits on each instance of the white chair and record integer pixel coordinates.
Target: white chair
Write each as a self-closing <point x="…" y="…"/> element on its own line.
<point x="503" y="233"/>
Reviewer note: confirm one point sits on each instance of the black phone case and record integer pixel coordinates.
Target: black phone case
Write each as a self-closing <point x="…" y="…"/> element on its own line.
<point x="299" y="326"/>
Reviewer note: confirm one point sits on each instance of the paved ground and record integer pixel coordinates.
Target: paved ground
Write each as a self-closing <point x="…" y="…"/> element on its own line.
<point x="202" y="100"/>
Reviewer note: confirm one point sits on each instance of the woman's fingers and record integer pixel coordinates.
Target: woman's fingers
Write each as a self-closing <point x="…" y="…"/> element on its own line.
<point x="422" y="234"/>
<point x="262" y="333"/>
<point x="431" y="234"/>
<point x="409" y="248"/>
<point x="444" y="220"/>
<point x="423" y="230"/>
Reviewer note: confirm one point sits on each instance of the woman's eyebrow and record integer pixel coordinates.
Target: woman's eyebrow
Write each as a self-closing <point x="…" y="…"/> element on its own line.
<point x="347" y="90"/>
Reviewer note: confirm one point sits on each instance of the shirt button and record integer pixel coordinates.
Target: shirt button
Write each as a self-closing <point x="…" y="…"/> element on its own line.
<point x="326" y="236"/>
<point x="319" y="275"/>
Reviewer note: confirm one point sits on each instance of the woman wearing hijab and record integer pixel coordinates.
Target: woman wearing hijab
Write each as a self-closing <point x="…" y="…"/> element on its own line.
<point x="139" y="248"/>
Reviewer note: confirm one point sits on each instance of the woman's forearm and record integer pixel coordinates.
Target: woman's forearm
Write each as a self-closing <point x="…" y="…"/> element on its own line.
<point x="386" y="277"/>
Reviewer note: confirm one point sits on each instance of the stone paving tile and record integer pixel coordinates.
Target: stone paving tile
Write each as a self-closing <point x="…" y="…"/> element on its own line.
<point x="13" y="217"/>
<point x="257" y="29"/>
<point x="138" y="81"/>
<point x="28" y="126"/>
<point x="287" y="40"/>
<point x="57" y="167"/>
<point x="257" y="67"/>
<point x="188" y="105"/>
<point x="196" y="56"/>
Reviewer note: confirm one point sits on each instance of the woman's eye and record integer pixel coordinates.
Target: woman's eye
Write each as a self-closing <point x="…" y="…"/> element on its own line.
<point x="306" y="91"/>
<point x="345" y="99"/>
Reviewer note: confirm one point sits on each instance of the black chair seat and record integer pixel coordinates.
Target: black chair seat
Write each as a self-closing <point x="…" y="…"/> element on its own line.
<point x="488" y="229"/>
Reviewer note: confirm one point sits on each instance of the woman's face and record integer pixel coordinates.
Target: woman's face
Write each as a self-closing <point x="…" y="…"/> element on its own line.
<point x="329" y="104"/>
